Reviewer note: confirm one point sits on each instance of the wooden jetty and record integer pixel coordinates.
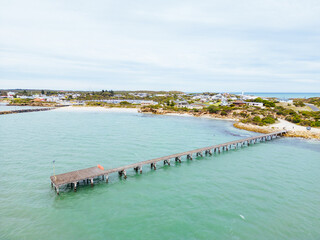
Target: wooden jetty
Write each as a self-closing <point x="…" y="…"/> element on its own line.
<point x="87" y="175"/>
<point x="26" y="110"/>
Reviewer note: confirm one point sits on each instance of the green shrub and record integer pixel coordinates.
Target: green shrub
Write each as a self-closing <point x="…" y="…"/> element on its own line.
<point x="268" y="120"/>
<point x="223" y="113"/>
<point x="256" y="119"/>
<point x="213" y="109"/>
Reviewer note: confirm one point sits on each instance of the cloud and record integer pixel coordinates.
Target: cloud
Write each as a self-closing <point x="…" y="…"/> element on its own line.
<point x="184" y="45"/>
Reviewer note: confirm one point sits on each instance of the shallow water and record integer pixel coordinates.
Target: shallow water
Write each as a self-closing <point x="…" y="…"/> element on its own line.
<point x="266" y="191"/>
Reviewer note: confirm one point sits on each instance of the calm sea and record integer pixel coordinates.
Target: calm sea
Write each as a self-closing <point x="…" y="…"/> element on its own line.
<point x="267" y="191"/>
<point x="282" y="96"/>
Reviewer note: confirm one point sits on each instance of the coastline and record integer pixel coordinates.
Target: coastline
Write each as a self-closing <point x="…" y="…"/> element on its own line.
<point x="293" y="129"/>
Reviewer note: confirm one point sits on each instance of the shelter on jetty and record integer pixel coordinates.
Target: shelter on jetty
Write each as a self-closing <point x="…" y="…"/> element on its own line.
<point x="87" y="175"/>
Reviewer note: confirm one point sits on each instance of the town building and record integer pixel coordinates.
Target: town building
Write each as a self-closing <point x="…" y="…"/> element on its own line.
<point x="255" y="104"/>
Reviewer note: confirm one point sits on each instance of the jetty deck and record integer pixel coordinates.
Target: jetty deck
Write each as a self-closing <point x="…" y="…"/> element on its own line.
<point x="73" y="178"/>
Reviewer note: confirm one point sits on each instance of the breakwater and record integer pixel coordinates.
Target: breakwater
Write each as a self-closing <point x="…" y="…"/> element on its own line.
<point x="25" y="110"/>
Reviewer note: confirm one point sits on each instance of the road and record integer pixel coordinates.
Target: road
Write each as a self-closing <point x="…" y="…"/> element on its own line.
<point x="313" y="107"/>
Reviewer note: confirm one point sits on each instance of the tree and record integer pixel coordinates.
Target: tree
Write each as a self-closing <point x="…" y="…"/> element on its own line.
<point x="42" y="92"/>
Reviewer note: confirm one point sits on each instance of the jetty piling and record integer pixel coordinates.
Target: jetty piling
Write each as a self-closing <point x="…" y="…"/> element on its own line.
<point x="75" y="177"/>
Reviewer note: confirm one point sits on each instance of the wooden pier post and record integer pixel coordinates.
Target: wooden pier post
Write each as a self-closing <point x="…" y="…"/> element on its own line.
<point x="140" y="169"/>
<point x="178" y="159"/>
<point x="107" y="178"/>
<point x="75" y="186"/>
<point x="154" y="166"/>
<point x="91" y="181"/>
<point x="57" y="190"/>
<point x="199" y="154"/>
<point x="189" y="156"/>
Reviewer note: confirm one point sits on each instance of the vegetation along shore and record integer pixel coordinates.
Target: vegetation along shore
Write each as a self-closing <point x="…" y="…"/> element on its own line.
<point x="299" y="116"/>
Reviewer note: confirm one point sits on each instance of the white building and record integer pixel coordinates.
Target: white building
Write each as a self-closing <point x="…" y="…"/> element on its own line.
<point x="287" y="101"/>
<point x="195" y="106"/>
<point x="255" y="104"/>
<point x="10" y="94"/>
<point x="181" y="104"/>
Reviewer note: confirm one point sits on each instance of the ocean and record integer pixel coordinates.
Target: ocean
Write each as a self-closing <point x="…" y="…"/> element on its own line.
<point x="282" y="96"/>
<point x="266" y="191"/>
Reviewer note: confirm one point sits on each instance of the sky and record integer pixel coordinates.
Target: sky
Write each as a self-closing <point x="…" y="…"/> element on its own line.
<point x="192" y="46"/>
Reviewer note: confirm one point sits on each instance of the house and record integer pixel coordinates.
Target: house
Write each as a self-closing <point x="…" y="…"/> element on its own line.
<point x="182" y="104"/>
<point x="239" y="103"/>
<point x="142" y="95"/>
<point x="146" y="103"/>
<point x="224" y="102"/>
<point x="217" y="97"/>
<point x="39" y="100"/>
<point x="10" y="94"/>
<point x="255" y="104"/>
<point x="195" y="106"/>
<point x="289" y="101"/>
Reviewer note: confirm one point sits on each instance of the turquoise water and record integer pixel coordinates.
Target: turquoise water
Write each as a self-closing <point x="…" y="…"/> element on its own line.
<point x="266" y="191"/>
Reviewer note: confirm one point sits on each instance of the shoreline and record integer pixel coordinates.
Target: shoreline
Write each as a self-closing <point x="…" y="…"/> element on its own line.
<point x="293" y="129"/>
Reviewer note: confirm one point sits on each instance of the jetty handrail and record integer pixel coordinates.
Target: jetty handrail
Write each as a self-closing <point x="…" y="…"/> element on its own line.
<point x="93" y="172"/>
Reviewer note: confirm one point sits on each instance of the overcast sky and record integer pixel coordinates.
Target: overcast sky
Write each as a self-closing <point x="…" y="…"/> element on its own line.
<point x="226" y="45"/>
